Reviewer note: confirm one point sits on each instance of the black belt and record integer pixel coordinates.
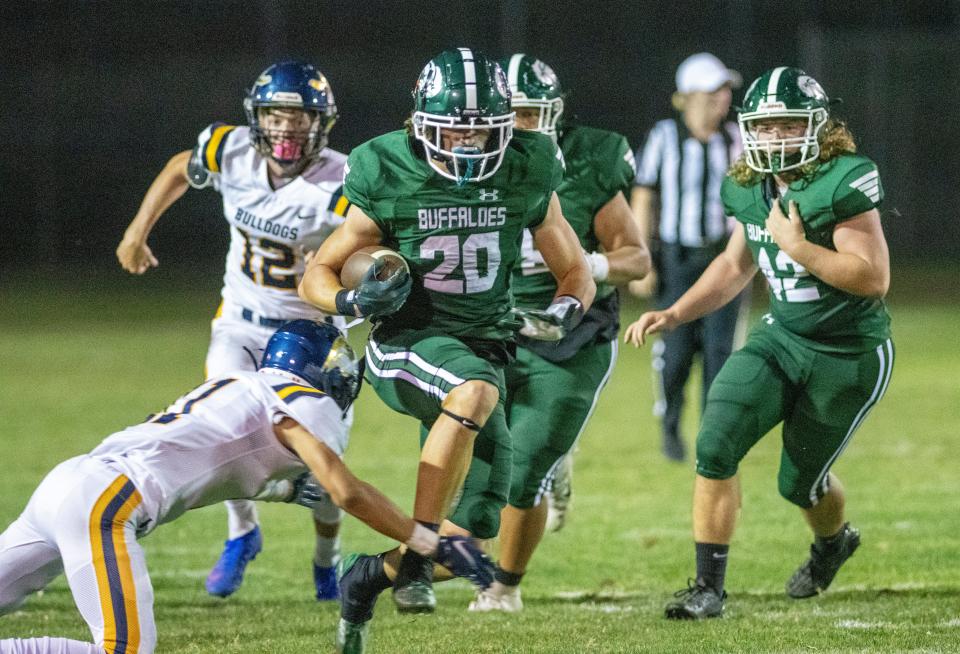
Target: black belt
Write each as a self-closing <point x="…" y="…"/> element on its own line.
<point x="250" y="316"/>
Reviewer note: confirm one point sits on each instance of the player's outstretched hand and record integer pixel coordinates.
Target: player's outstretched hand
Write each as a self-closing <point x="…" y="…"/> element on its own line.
<point x="652" y="322"/>
<point x="135" y="257"/>
<point x="381" y="298"/>
<point x="461" y="556"/>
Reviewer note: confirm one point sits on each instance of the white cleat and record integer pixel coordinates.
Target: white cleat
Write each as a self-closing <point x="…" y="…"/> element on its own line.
<point x="498" y="598"/>
<point x="560" y="497"/>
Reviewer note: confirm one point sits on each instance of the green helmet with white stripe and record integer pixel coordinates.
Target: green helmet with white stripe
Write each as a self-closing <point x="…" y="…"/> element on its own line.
<point x="785" y="93"/>
<point x="534" y="85"/>
<point x="462" y="90"/>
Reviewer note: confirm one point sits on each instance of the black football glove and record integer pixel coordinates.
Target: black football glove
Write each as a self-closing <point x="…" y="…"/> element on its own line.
<point x="307" y="491"/>
<point x="373" y="297"/>
<point x="461" y="556"/>
<point x="552" y="324"/>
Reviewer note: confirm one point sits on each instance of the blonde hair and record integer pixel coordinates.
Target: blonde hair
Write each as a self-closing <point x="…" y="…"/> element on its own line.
<point x="835" y="140"/>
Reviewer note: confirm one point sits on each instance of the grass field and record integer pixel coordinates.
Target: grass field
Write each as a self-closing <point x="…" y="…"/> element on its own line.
<point x="78" y="362"/>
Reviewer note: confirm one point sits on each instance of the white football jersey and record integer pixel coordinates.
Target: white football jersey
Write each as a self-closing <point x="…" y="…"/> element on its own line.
<point x="217" y="443"/>
<point x="270" y="230"/>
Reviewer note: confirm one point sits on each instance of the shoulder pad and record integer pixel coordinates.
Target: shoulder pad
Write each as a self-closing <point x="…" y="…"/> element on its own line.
<point x="210" y="146"/>
<point x="290" y="392"/>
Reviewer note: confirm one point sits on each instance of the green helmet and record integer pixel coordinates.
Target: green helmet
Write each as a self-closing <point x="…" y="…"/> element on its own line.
<point x="463" y="89"/>
<point x="533" y="84"/>
<point x="783" y="93"/>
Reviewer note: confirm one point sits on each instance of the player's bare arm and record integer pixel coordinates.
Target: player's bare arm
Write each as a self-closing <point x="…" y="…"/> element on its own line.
<point x="321" y="280"/>
<point x="861" y="262"/>
<point x="133" y="252"/>
<point x="627" y="255"/>
<point x="563" y="255"/>
<point x="353" y="495"/>
<point x="722" y="281"/>
<point x="642" y="203"/>
<point x="364" y="502"/>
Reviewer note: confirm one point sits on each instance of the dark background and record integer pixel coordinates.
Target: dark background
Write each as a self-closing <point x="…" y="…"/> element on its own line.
<point x="96" y="96"/>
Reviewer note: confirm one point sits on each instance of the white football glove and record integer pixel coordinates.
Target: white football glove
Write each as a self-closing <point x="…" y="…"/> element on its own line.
<point x="563" y="314"/>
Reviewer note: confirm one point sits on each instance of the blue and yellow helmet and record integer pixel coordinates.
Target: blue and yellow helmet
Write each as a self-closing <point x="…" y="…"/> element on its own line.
<point x="291" y="85"/>
<point x="318" y="353"/>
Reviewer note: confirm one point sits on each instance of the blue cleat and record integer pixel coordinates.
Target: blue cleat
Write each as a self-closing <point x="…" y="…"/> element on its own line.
<point x="325" y="581"/>
<point x="227" y="574"/>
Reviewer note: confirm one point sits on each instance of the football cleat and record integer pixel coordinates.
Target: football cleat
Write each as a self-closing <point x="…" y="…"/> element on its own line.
<point x="413" y="587"/>
<point x="325" y="581"/>
<point x="498" y="598"/>
<point x="696" y="602"/>
<point x="227" y="575"/>
<point x="816" y="573"/>
<point x="352" y="638"/>
<point x="560" y="497"/>
<point x="415" y="597"/>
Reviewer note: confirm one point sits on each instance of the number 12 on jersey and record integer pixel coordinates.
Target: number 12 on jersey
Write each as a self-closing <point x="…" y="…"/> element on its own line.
<point x="478" y="256"/>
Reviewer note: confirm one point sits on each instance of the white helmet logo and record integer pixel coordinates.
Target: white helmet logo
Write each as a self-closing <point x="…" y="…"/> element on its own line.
<point x="544" y="73"/>
<point x="811" y="88"/>
<point x="431" y="80"/>
<point x="501" y="81"/>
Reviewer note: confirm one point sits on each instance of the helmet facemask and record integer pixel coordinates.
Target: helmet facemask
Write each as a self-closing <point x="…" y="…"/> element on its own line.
<point x="292" y="150"/>
<point x="340" y="374"/>
<point x="466" y="163"/>
<point x="549" y="111"/>
<point x="778" y="155"/>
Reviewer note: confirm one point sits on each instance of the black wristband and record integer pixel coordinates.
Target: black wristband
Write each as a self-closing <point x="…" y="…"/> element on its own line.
<point x="345" y="305"/>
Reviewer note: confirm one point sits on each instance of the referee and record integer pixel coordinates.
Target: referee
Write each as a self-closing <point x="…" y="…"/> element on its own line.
<point x="677" y="204"/>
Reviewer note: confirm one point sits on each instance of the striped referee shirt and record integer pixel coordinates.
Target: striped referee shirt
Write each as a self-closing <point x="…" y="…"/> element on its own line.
<point x="687" y="175"/>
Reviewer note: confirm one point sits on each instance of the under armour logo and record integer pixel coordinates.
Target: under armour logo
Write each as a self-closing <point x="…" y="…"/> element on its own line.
<point x="489" y="196"/>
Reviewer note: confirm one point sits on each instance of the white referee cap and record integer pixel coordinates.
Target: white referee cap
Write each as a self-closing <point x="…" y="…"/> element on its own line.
<point x="704" y="72"/>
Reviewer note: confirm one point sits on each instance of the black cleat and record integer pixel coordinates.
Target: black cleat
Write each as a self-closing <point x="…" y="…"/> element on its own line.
<point x="696" y="602"/>
<point x="815" y="575"/>
<point x="413" y="587"/>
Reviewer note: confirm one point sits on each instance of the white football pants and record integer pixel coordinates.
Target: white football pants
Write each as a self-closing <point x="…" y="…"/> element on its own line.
<point x="82" y="521"/>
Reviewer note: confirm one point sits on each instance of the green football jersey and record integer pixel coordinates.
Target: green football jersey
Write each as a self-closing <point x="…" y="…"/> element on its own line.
<point x="461" y="242"/>
<point x="831" y="319"/>
<point x="599" y="164"/>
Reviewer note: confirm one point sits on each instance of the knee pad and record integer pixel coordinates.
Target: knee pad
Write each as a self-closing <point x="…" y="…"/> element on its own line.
<point x="797" y="491"/>
<point x="716" y="456"/>
<point x="479" y="515"/>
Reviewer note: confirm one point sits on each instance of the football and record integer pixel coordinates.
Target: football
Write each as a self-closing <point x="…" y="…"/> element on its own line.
<point x="360" y="261"/>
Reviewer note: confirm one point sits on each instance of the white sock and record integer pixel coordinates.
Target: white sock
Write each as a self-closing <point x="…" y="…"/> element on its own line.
<point x="241" y="518"/>
<point x="327" y="552"/>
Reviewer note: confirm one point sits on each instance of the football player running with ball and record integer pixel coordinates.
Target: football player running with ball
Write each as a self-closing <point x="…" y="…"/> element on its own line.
<point x="821" y="359"/>
<point x="552" y="388"/>
<point x="454" y="194"/>
<point x="281" y="189"/>
<point x="252" y="435"/>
